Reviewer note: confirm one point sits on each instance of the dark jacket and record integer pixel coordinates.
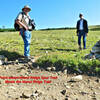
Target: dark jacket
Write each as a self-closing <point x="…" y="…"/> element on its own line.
<point x="85" y="26"/>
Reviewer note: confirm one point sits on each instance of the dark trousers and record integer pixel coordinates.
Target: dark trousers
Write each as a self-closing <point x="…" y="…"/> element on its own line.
<point x="82" y="34"/>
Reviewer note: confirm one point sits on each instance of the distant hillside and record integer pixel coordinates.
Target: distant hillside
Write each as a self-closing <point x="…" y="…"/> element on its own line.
<point x="62" y="28"/>
<point x="7" y="30"/>
<point x="94" y="27"/>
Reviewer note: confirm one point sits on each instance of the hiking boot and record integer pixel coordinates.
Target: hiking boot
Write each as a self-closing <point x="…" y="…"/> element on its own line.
<point x="27" y="58"/>
<point x="84" y="48"/>
<point x="80" y="48"/>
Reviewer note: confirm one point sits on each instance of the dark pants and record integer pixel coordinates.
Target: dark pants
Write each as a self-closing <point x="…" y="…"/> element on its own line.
<point x="82" y="34"/>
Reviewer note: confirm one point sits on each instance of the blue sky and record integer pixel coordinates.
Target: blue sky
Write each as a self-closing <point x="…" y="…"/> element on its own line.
<point x="51" y="13"/>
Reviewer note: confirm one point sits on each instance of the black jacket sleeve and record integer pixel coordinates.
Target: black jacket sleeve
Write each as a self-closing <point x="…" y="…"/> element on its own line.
<point x="77" y="27"/>
<point x="85" y="26"/>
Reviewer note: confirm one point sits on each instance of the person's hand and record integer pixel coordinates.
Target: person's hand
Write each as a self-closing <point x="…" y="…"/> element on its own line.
<point x="86" y="34"/>
<point x="26" y="28"/>
<point x="23" y="25"/>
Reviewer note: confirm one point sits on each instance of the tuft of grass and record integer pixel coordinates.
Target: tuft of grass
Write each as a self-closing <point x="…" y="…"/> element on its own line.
<point x="71" y="64"/>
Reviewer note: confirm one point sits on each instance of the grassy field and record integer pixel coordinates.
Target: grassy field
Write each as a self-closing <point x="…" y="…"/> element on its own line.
<point x="54" y="47"/>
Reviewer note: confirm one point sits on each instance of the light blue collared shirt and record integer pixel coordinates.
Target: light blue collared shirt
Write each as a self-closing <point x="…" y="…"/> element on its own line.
<point x="81" y="25"/>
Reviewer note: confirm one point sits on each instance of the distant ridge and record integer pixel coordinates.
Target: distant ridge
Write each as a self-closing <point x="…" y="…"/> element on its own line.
<point x="91" y="27"/>
<point x="62" y="28"/>
<point x="94" y="27"/>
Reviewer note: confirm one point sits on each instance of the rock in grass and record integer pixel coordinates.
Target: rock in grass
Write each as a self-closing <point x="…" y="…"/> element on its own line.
<point x="66" y="98"/>
<point x="65" y="71"/>
<point x="37" y="67"/>
<point x="53" y="68"/>
<point x="97" y="80"/>
<point x="83" y="93"/>
<point x="68" y="87"/>
<point x="3" y="59"/>
<point x="16" y="61"/>
<point x="33" y="60"/>
<point x="79" y="77"/>
<point x="26" y="95"/>
<point x="50" y="68"/>
<point x="65" y="84"/>
<point x="76" y="78"/>
<point x="63" y="92"/>
<point x="37" y="93"/>
<point x="95" y="52"/>
<point x="1" y="62"/>
<point x="59" y="73"/>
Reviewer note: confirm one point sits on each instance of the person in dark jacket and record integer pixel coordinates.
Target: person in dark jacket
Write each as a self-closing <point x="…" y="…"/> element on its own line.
<point x="82" y="31"/>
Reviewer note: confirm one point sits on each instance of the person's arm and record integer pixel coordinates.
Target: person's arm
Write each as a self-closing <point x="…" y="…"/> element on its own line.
<point x="20" y="23"/>
<point x="86" y="28"/>
<point x="77" y="32"/>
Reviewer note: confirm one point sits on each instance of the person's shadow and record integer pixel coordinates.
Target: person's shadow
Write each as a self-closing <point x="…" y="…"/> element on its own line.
<point x="68" y="50"/>
<point x="11" y="56"/>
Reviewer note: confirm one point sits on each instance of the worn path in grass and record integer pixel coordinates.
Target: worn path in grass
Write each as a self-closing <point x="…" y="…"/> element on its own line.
<point x="57" y="85"/>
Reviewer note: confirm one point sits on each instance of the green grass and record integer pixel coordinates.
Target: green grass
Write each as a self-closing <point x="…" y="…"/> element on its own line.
<point x="57" y="48"/>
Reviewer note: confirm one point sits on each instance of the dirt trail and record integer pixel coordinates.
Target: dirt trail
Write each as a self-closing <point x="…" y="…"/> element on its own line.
<point x="57" y="85"/>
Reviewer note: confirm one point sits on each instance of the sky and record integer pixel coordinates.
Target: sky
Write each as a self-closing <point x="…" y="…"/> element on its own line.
<point x="51" y="13"/>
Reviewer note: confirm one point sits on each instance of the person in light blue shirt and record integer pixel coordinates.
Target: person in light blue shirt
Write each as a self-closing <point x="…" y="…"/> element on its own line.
<point x="82" y="31"/>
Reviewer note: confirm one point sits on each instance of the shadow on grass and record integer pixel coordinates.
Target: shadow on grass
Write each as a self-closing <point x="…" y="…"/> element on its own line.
<point x="11" y="56"/>
<point x="68" y="50"/>
<point x="70" y="70"/>
<point x="46" y="49"/>
<point x="59" y="68"/>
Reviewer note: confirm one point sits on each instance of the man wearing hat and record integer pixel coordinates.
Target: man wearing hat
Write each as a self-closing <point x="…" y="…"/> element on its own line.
<point x="23" y="21"/>
<point x="82" y="30"/>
